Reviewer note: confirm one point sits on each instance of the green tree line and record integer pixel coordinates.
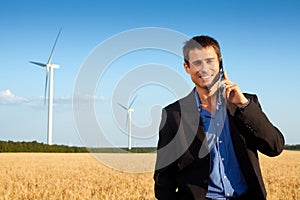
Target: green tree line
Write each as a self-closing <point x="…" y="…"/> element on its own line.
<point x="34" y="146"/>
<point x="292" y="147"/>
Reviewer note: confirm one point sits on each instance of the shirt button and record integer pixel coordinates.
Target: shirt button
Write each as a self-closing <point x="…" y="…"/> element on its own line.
<point x="222" y="159"/>
<point x="227" y="194"/>
<point x="225" y="177"/>
<point x="220" y="141"/>
<point x="218" y="124"/>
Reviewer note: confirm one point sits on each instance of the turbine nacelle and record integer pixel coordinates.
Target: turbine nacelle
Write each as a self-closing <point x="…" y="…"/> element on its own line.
<point x="54" y="66"/>
<point x="130" y="110"/>
<point x="48" y="66"/>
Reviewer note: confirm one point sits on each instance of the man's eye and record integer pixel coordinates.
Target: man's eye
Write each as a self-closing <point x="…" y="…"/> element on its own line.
<point x="197" y="63"/>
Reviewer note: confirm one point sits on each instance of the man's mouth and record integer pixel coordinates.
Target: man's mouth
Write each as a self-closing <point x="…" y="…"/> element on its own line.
<point x="204" y="76"/>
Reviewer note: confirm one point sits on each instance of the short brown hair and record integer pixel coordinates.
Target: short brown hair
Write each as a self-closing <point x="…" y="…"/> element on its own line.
<point x="200" y="42"/>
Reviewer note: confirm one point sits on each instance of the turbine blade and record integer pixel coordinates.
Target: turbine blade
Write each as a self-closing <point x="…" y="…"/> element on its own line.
<point x="50" y="58"/>
<point x="46" y="87"/>
<point x="124" y="107"/>
<point x="133" y="100"/>
<point x="37" y="63"/>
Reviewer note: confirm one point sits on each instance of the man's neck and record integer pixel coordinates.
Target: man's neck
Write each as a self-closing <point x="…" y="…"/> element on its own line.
<point x="208" y="101"/>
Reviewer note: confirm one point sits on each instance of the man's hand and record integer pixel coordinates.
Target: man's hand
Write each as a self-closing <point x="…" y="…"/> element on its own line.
<point x="232" y="92"/>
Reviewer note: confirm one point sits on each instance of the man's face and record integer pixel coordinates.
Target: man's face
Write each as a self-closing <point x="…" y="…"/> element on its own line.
<point x="204" y="67"/>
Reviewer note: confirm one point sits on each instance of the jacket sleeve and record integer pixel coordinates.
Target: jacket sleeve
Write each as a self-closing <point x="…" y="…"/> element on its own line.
<point x="269" y="140"/>
<point x="164" y="177"/>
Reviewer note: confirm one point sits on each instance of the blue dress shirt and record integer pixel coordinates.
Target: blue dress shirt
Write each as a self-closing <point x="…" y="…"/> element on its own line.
<point x="226" y="178"/>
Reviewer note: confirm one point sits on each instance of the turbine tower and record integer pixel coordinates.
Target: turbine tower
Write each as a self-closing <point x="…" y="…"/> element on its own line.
<point x="129" y="110"/>
<point x="49" y="71"/>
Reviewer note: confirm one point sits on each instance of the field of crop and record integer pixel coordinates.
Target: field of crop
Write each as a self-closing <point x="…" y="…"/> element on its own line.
<point x="81" y="176"/>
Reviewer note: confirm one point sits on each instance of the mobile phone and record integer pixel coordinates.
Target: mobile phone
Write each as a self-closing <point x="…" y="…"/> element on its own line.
<point x="221" y="76"/>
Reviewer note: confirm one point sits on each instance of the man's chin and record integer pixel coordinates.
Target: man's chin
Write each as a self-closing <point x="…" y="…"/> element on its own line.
<point x="207" y="84"/>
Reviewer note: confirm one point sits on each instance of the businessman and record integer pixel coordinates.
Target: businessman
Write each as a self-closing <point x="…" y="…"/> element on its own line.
<point x="209" y="140"/>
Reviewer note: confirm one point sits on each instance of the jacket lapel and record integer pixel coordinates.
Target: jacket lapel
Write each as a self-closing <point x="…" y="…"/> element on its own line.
<point x="190" y="116"/>
<point x="191" y="126"/>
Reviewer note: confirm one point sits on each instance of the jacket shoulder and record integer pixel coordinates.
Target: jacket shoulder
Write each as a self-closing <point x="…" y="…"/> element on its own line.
<point x="173" y="106"/>
<point x="183" y="102"/>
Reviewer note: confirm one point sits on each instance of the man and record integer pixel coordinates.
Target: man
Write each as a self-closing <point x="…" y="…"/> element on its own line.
<point x="208" y="140"/>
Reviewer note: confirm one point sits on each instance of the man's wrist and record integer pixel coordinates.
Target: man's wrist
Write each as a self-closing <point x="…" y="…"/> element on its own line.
<point x="245" y="105"/>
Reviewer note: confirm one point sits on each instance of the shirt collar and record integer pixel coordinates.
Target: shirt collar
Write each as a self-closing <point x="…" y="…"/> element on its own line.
<point x="197" y="99"/>
<point x="220" y="100"/>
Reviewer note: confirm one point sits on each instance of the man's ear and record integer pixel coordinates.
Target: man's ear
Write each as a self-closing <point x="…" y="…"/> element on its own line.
<point x="186" y="67"/>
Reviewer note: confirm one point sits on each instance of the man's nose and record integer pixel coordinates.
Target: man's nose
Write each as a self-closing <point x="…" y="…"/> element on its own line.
<point x="203" y="67"/>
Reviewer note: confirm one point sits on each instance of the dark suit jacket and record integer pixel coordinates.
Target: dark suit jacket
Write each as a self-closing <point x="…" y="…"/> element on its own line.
<point x="183" y="160"/>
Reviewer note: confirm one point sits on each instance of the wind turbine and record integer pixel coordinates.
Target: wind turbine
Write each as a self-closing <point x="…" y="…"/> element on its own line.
<point x="129" y="110"/>
<point x="49" y="71"/>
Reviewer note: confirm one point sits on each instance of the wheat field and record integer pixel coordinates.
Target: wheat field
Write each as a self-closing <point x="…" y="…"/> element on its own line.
<point x="27" y="176"/>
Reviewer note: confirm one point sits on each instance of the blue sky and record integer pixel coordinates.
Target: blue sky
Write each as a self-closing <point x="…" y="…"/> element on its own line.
<point x="259" y="40"/>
